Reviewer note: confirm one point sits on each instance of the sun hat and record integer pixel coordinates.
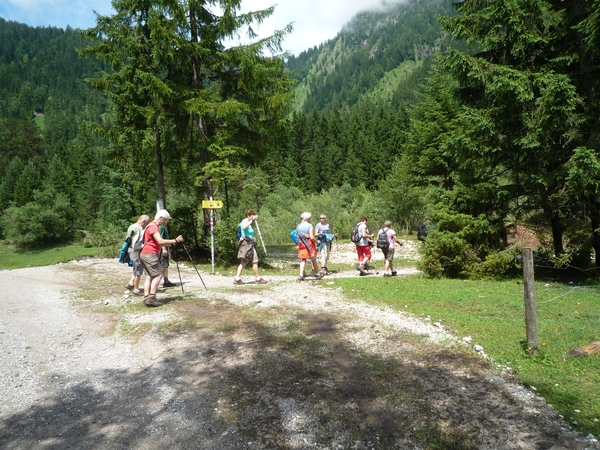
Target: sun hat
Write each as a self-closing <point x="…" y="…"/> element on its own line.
<point x="162" y="214"/>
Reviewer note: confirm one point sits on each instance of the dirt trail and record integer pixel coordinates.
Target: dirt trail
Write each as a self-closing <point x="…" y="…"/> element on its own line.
<point x="286" y="365"/>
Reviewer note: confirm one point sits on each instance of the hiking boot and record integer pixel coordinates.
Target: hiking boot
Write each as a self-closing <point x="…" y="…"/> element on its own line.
<point x="261" y="281"/>
<point x="313" y="273"/>
<point x="237" y="281"/>
<point x="129" y="286"/>
<point x="324" y="269"/>
<point x="361" y="269"/>
<point x="387" y="274"/>
<point x="151" y="300"/>
<point x="319" y="275"/>
<point x="301" y="278"/>
<point x="168" y="284"/>
<point x="394" y="273"/>
<point x="137" y="292"/>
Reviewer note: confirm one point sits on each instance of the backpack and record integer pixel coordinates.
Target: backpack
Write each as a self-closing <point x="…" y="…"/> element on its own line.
<point x="294" y="235"/>
<point x="239" y="232"/>
<point x="354" y="235"/>
<point x="422" y="232"/>
<point x="124" y="253"/>
<point x="382" y="240"/>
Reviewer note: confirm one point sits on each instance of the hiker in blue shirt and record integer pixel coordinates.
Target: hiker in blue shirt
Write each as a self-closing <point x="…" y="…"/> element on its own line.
<point x="325" y="236"/>
<point x="247" y="248"/>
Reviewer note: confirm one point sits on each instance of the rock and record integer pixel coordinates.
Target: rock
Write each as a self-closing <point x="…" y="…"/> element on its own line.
<point x="585" y="350"/>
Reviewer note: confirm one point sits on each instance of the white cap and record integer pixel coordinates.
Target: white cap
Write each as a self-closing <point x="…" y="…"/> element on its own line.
<point x="162" y="214"/>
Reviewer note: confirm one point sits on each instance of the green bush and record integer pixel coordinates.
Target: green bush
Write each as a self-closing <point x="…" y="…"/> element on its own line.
<point x="499" y="265"/>
<point x="43" y="221"/>
<point x="446" y="254"/>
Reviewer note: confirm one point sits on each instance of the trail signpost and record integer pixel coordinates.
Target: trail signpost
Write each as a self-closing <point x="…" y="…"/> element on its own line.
<point x="212" y="204"/>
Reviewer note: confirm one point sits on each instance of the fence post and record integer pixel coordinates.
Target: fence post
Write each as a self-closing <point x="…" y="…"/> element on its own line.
<point x="530" y="310"/>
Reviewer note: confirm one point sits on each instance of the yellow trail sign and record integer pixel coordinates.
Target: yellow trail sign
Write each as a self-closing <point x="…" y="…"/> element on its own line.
<point x="212" y="204"/>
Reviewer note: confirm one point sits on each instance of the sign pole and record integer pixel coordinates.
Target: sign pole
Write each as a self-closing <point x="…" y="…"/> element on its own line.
<point x="212" y="204"/>
<point x="212" y="238"/>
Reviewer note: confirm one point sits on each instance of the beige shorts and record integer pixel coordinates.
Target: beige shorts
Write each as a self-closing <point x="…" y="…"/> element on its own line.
<point x="151" y="265"/>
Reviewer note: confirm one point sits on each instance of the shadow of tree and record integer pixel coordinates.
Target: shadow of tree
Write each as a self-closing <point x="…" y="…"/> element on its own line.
<point x="280" y="379"/>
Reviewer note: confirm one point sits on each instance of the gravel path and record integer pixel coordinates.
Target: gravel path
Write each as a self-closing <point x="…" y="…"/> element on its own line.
<point x="286" y="365"/>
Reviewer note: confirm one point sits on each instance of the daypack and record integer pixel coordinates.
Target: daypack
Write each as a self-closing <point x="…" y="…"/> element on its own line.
<point x="422" y="232"/>
<point x="382" y="240"/>
<point x="239" y="232"/>
<point x="124" y="253"/>
<point x="354" y="235"/>
<point x="294" y="235"/>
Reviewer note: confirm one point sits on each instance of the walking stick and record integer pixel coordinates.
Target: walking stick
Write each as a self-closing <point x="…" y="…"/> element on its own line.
<point x="261" y="239"/>
<point x="180" y="282"/>
<point x="337" y="250"/>
<point x="190" y="256"/>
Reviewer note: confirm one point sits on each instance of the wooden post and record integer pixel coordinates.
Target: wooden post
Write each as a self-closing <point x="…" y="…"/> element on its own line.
<point x="530" y="310"/>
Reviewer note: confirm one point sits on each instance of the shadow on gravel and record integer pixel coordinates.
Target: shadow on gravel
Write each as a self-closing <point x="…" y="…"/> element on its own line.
<point x="282" y="379"/>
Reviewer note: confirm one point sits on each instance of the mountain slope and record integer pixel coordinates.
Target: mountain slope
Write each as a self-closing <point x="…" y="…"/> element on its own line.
<point x="370" y="57"/>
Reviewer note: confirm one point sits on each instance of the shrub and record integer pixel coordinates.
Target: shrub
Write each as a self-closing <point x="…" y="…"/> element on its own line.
<point x="40" y="222"/>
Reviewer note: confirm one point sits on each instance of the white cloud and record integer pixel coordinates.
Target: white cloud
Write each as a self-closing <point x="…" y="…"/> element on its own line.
<point x="314" y="21"/>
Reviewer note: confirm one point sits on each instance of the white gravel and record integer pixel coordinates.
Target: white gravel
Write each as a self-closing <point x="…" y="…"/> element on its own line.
<point x="69" y="380"/>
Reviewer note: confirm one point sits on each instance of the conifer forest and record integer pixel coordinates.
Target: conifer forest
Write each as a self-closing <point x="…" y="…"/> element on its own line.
<point x="478" y="115"/>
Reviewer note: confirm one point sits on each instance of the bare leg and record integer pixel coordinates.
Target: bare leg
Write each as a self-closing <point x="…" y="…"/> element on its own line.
<point x="302" y="264"/>
<point x="241" y="267"/>
<point x="255" y="270"/>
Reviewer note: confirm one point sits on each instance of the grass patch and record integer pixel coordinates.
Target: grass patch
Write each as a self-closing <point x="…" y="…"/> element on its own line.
<point x="12" y="258"/>
<point x="492" y="313"/>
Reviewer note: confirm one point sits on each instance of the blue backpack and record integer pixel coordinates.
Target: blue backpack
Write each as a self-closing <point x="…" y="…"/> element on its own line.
<point x="294" y="235"/>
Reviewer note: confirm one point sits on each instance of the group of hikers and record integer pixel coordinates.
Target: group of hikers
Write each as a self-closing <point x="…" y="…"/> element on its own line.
<point x="312" y="239"/>
<point x="149" y="242"/>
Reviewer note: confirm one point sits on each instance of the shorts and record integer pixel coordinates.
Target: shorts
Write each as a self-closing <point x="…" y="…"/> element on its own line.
<point x="307" y="253"/>
<point x="150" y="263"/>
<point x="388" y="253"/>
<point x="163" y="261"/>
<point x="134" y="256"/>
<point x="364" y="252"/>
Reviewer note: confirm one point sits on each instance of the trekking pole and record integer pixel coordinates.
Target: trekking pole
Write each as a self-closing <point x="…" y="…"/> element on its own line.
<point x="180" y="281"/>
<point x="337" y="250"/>
<point x="190" y="256"/>
<point x="261" y="239"/>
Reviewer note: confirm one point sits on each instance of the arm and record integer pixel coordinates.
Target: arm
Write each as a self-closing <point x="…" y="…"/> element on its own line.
<point x="248" y="222"/>
<point x="166" y="242"/>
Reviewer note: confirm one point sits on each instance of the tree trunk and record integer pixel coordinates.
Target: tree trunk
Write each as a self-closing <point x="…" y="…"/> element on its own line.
<point x="160" y="176"/>
<point x="557" y="233"/>
<point x="596" y="235"/>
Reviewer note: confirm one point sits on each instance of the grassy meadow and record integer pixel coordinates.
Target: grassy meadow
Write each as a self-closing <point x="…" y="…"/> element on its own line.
<point x="492" y="314"/>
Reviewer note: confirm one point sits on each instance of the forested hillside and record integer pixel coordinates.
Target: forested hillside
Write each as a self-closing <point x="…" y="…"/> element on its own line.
<point x="371" y="58"/>
<point x="479" y="117"/>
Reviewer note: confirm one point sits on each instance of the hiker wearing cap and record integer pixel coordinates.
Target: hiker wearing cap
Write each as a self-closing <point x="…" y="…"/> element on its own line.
<point x="307" y="249"/>
<point x="363" y="247"/>
<point x="136" y="232"/>
<point x="388" y="251"/>
<point x="149" y="255"/>
<point x="324" y="236"/>
<point x="247" y="248"/>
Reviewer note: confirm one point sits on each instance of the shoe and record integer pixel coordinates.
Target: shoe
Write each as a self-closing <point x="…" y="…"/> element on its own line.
<point x="324" y="269"/>
<point x="394" y="273"/>
<point x="137" y="293"/>
<point x="169" y="284"/>
<point x="129" y="286"/>
<point x="361" y="269"/>
<point x="387" y="274"/>
<point x="261" y="281"/>
<point x="301" y="278"/>
<point x="151" y="300"/>
<point x="320" y="276"/>
<point x="313" y="273"/>
<point x="237" y="281"/>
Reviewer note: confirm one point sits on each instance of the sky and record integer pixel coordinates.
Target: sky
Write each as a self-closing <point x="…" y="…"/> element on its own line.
<point x="314" y="21"/>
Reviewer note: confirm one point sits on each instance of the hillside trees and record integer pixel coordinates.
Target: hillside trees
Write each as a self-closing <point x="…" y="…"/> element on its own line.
<point x="525" y="103"/>
<point x="202" y="111"/>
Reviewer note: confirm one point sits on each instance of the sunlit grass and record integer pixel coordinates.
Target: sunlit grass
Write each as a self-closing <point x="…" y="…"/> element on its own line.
<point x="492" y="313"/>
<point x="12" y="258"/>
